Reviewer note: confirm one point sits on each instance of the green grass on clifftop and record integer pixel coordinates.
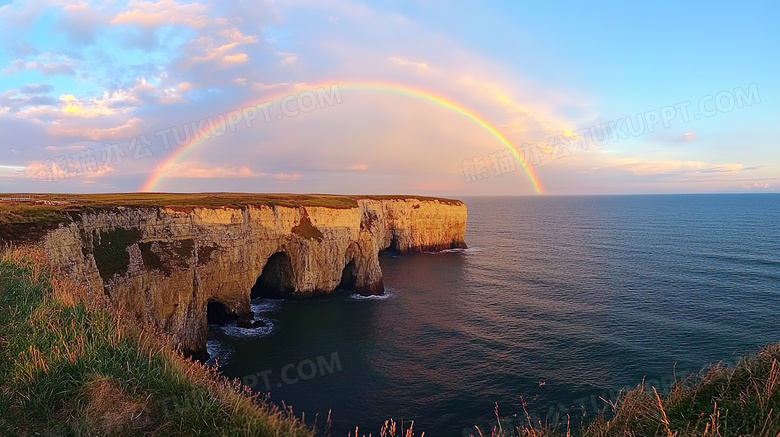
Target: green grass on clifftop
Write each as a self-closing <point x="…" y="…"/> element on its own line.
<point x="14" y="210"/>
<point x="26" y="217"/>
<point x="70" y="368"/>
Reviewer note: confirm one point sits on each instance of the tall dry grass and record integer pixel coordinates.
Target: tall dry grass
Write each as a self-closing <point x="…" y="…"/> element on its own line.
<point x="71" y="364"/>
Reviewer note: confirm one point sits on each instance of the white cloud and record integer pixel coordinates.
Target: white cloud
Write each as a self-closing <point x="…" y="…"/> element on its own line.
<point x="207" y="48"/>
<point x="199" y="171"/>
<point x="174" y="94"/>
<point x="68" y="148"/>
<point x="287" y="58"/>
<point x="69" y="129"/>
<point x="155" y="14"/>
<point x="647" y="168"/>
<point x="759" y="186"/>
<point x="422" y="66"/>
<point x="238" y="58"/>
<point x="121" y="102"/>
<point x="12" y="169"/>
<point x="51" y="171"/>
<point x="287" y="177"/>
<point x="48" y="63"/>
<point x="257" y="86"/>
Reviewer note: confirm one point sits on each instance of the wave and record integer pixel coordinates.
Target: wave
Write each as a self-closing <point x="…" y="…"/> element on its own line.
<point x="467" y="250"/>
<point x="217" y="352"/>
<point x="263" y="305"/>
<point x="389" y="292"/>
<point x="215" y="346"/>
<point x="232" y="330"/>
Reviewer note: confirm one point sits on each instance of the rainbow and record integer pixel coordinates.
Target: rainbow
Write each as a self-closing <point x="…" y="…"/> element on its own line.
<point x="201" y="138"/>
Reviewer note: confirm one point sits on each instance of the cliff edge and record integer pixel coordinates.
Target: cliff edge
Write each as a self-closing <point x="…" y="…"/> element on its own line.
<point x="168" y="264"/>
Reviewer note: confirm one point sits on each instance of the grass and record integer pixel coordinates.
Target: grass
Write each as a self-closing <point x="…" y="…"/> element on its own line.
<point x="720" y="401"/>
<point x="70" y="366"/>
<point x="75" y="204"/>
<point x="111" y="256"/>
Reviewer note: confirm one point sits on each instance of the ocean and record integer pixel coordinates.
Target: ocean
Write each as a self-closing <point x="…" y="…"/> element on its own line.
<point x="557" y="305"/>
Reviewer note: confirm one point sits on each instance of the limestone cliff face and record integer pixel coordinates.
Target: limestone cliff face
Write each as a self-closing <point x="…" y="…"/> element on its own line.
<point x="165" y="265"/>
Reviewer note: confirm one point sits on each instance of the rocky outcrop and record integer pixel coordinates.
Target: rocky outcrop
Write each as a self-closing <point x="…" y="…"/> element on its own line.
<point x="167" y="264"/>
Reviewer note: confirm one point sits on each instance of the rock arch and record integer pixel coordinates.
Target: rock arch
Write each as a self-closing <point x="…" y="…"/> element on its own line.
<point x="277" y="278"/>
<point x="348" y="276"/>
<point x="350" y="272"/>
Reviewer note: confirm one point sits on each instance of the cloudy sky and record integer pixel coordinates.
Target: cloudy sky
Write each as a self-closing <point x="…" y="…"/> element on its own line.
<point x="426" y="97"/>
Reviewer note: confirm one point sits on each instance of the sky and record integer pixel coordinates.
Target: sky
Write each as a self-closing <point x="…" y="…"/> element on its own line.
<point x="389" y="97"/>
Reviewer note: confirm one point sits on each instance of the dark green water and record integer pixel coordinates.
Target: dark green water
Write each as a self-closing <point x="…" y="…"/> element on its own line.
<point x="558" y="301"/>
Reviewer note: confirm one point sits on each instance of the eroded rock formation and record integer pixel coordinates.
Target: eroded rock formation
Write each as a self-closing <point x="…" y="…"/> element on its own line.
<point x="165" y="265"/>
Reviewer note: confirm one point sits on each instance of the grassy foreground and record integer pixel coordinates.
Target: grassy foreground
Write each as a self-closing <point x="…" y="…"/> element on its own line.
<point x="719" y="402"/>
<point x="70" y="367"/>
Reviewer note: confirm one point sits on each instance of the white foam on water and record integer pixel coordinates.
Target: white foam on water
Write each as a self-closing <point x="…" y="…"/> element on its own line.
<point x="467" y="250"/>
<point x="262" y="305"/>
<point x="389" y="292"/>
<point x="234" y="331"/>
<point x="216" y="351"/>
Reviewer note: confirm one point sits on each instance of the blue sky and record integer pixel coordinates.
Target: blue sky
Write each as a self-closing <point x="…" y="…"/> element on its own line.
<point x="89" y="90"/>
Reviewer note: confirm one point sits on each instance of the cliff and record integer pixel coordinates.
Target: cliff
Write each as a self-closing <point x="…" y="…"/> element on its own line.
<point x="168" y="264"/>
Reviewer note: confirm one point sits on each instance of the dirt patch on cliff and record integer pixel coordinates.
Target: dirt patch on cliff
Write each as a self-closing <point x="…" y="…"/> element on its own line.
<point x="185" y="248"/>
<point x="307" y="230"/>
<point x="204" y="254"/>
<point x="152" y="261"/>
<point x="167" y="256"/>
